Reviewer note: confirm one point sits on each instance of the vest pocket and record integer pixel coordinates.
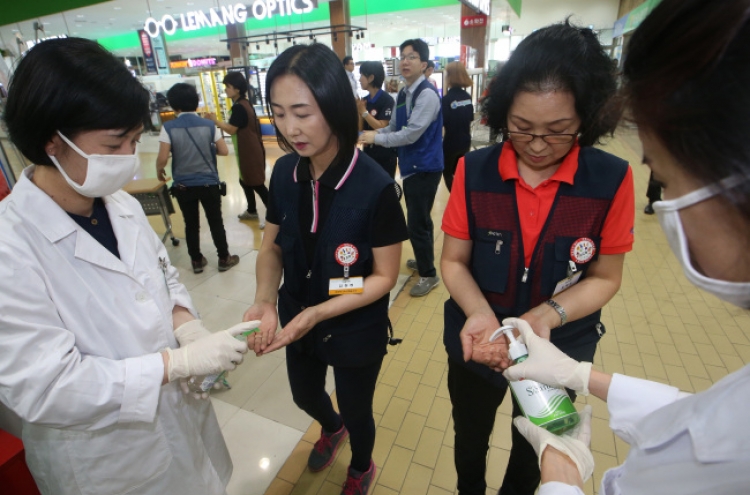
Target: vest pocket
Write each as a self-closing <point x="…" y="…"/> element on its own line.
<point x="557" y="262"/>
<point x="490" y="259"/>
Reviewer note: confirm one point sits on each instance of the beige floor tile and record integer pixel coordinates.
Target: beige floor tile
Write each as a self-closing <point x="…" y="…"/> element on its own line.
<point x="700" y="384"/>
<point x="280" y="487"/>
<point x="497" y="464"/>
<point x="381" y="490"/>
<point x="602" y="462"/>
<point x="732" y="363"/>
<point x="394" y="414"/>
<point x="693" y="365"/>
<point x="602" y="438"/>
<point x="444" y="475"/>
<point x="434" y="372"/>
<point x="410" y="432"/>
<point x="677" y="377"/>
<point x="716" y="372"/>
<point x="423" y="399"/>
<point x="384" y="440"/>
<point x="396" y="466"/>
<point x="418" y="362"/>
<point x="501" y="438"/>
<point x="440" y="412"/>
<point x="393" y="374"/>
<point x="408" y="385"/>
<point x="435" y="490"/>
<point x="722" y="344"/>
<point x="431" y="340"/>
<point x="428" y="447"/>
<point x="383" y="395"/>
<point x="654" y="367"/>
<point x="417" y="480"/>
<point x="405" y="350"/>
<point x="296" y="463"/>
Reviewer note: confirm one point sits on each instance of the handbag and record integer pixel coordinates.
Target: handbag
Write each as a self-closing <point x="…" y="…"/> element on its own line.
<point x="222" y="184"/>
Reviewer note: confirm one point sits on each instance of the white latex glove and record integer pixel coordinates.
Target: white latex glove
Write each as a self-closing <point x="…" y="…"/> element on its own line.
<point x="546" y="363"/>
<point x="190" y="332"/>
<point x="573" y="443"/>
<point x="209" y="355"/>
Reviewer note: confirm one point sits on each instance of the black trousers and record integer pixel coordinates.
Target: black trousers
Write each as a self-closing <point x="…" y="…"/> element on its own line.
<point x="385" y="157"/>
<point x="419" y="193"/>
<point x="653" y="192"/>
<point x="250" y="191"/>
<point x="209" y="197"/>
<point x="475" y="402"/>
<point x="355" y="388"/>
<point x="451" y="161"/>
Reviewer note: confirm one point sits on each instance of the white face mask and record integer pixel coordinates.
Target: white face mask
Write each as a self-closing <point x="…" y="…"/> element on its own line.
<point x="737" y="293"/>
<point x="105" y="174"/>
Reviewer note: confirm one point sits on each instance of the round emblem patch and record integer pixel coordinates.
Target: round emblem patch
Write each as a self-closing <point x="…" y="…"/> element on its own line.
<point x="346" y="254"/>
<point x="373" y="112"/>
<point x="582" y="250"/>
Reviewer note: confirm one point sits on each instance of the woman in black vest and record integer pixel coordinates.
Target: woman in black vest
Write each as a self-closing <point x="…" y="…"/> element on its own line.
<point x="458" y="112"/>
<point x="334" y="231"/>
<point x="537" y="227"/>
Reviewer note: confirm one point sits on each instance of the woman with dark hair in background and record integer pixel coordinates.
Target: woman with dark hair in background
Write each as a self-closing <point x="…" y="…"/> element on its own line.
<point x="458" y="112"/>
<point x="90" y="300"/>
<point x="536" y="227"/>
<point x="375" y="110"/>
<point x="693" y="117"/>
<point x="334" y="232"/>
<point x="244" y="128"/>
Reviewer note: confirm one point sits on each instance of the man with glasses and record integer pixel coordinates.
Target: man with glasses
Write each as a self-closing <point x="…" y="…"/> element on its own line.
<point x="416" y="129"/>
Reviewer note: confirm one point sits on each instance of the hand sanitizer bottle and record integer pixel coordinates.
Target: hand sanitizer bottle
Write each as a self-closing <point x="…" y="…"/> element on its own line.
<point x="200" y="384"/>
<point x="545" y="406"/>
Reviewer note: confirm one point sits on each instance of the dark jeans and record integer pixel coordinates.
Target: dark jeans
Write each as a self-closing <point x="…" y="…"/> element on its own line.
<point x="355" y="388"/>
<point x="210" y="198"/>
<point x="653" y="192"/>
<point x="250" y="191"/>
<point x="475" y="402"/>
<point x="451" y="161"/>
<point x="385" y="157"/>
<point x="419" y="193"/>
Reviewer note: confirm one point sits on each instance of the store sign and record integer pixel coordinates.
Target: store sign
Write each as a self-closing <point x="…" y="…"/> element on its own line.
<point x="193" y="62"/>
<point x="148" y="52"/>
<point x="481" y="6"/>
<point x="473" y="21"/>
<point x="225" y="15"/>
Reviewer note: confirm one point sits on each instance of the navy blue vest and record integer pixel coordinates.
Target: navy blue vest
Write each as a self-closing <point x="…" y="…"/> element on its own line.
<point x="208" y="173"/>
<point x="359" y="336"/>
<point x="579" y="210"/>
<point x="426" y="153"/>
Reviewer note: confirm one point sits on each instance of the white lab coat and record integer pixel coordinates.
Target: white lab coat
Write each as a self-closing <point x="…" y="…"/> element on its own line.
<point x="80" y="336"/>
<point x="355" y="84"/>
<point x="696" y="444"/>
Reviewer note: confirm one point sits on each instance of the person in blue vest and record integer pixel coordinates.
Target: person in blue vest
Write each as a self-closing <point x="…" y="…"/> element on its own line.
<point x="376" y="109"/>
<point x="416" y="128"/>
<point x="536" y="227"/>
<point x="334" y="232"/>
<point x="194" y="143"/>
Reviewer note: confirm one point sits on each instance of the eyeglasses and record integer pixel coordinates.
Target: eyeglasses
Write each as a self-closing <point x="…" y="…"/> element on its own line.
<point x="408" y="57"/>
<point x="525" y="137"/>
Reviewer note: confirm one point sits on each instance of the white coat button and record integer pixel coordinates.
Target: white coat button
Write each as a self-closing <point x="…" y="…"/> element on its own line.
<point x="141" y="296"/>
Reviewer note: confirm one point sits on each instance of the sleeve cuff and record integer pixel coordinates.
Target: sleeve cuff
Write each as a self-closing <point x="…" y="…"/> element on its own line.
<point x="143" y="377"/>
<point x="558" y="488"/>
<point x="630" y="399"/>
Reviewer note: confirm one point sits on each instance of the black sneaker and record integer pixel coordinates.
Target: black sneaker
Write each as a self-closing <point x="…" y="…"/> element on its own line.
<point x="228" y="262"/>
<point x="325" y="449"/>
<point x="198" y="265"/>
<point x="649" y="209"/>
<point x="359" y="483"/>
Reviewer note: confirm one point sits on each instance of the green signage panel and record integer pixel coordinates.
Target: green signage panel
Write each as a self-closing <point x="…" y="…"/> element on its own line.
<point x="516" y="6"/>
<point x="15" y="11"/>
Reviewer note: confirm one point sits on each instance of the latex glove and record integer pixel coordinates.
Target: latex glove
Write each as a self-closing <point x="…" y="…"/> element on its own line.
<point x="546" y="363"/>
<point x="573" y="443"/>
<point x="190" y="332"/>
<point x="209" y="355"/>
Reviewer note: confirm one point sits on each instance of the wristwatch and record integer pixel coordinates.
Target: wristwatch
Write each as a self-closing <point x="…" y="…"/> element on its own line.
<point x="365" y="114"/>
<point x="559" y="309"/>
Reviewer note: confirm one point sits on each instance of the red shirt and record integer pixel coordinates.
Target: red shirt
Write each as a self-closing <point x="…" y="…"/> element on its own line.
<point x="534" y="204"/>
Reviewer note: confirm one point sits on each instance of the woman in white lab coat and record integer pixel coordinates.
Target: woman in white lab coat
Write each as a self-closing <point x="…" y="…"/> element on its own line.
<point x="687" y="85"/>
<point x="96" y="332"/>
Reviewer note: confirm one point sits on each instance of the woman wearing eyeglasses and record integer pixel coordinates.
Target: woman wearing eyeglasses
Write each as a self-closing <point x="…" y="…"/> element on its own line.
<point x="536" y="227"/>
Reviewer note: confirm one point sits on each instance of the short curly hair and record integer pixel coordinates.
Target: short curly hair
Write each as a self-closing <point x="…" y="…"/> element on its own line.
<point x="560" y="57"/>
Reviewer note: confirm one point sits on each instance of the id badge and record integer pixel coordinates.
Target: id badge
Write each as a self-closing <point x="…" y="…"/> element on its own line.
<point x="350" y="285"/>
<point x="566" y="283"/>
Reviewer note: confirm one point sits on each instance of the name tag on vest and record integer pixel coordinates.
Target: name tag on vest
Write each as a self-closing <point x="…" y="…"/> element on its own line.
<point x="351" y="285"/>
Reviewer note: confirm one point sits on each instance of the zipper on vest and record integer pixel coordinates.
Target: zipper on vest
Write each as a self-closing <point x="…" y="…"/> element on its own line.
<point x="498" y="246"/>
<point x="314" y="188"/>
<point x="525" y="275"/>
<point x="309" y="274"/>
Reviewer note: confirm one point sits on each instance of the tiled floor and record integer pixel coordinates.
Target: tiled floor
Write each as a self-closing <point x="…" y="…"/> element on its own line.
<point x="658" y="327"/>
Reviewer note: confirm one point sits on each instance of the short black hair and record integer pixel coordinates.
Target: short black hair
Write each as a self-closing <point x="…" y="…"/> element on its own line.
<point x="70" y="85"/>
<point x="319" y="68"/>
<point x="691" y="92"/>
<point x="375" y="69"/>
<point x="183" y="97"/>
<point x="430" y="64"/>
<point x="560" y="57"/>
<point x="237" y="81"/>
<point x="418" y="46"/>
<point x="347" y="59"/>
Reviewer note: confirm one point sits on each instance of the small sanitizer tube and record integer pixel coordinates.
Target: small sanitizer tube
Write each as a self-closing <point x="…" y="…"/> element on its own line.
<point x="199" y="384"/>
<point x="545" y="406"/>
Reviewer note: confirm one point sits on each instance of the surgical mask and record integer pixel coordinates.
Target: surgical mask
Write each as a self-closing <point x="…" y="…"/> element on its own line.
<point x="737" y="293"/>
<point x="105" y="174"/>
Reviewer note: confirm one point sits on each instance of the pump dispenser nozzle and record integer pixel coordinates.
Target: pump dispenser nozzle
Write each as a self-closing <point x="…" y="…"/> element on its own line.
<point x="516" y="350"/>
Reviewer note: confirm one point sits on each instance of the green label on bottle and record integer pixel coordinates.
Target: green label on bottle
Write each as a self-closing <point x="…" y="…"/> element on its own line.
<point x="542" y="403"/>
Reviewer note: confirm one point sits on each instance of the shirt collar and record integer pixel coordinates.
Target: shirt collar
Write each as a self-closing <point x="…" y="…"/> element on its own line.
<point x="334" y="177"/>
<point x="508" y="164"/>
<point x="375" y="98"/>
<point x="413" y="87"/>
<point x="186" y="113"/>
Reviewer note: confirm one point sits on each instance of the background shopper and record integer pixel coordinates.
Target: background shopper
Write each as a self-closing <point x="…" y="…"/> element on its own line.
<point x="97" y="331"/>
<point x="536" y="227"/>
<point x="194" y="143"/>
<point x="334" y="232"/>
<point x="376" y="109"/>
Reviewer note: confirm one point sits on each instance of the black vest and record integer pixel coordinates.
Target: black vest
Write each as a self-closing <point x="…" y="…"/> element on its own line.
<point x="358" y="337"/>
<point x="497" y="261"/>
